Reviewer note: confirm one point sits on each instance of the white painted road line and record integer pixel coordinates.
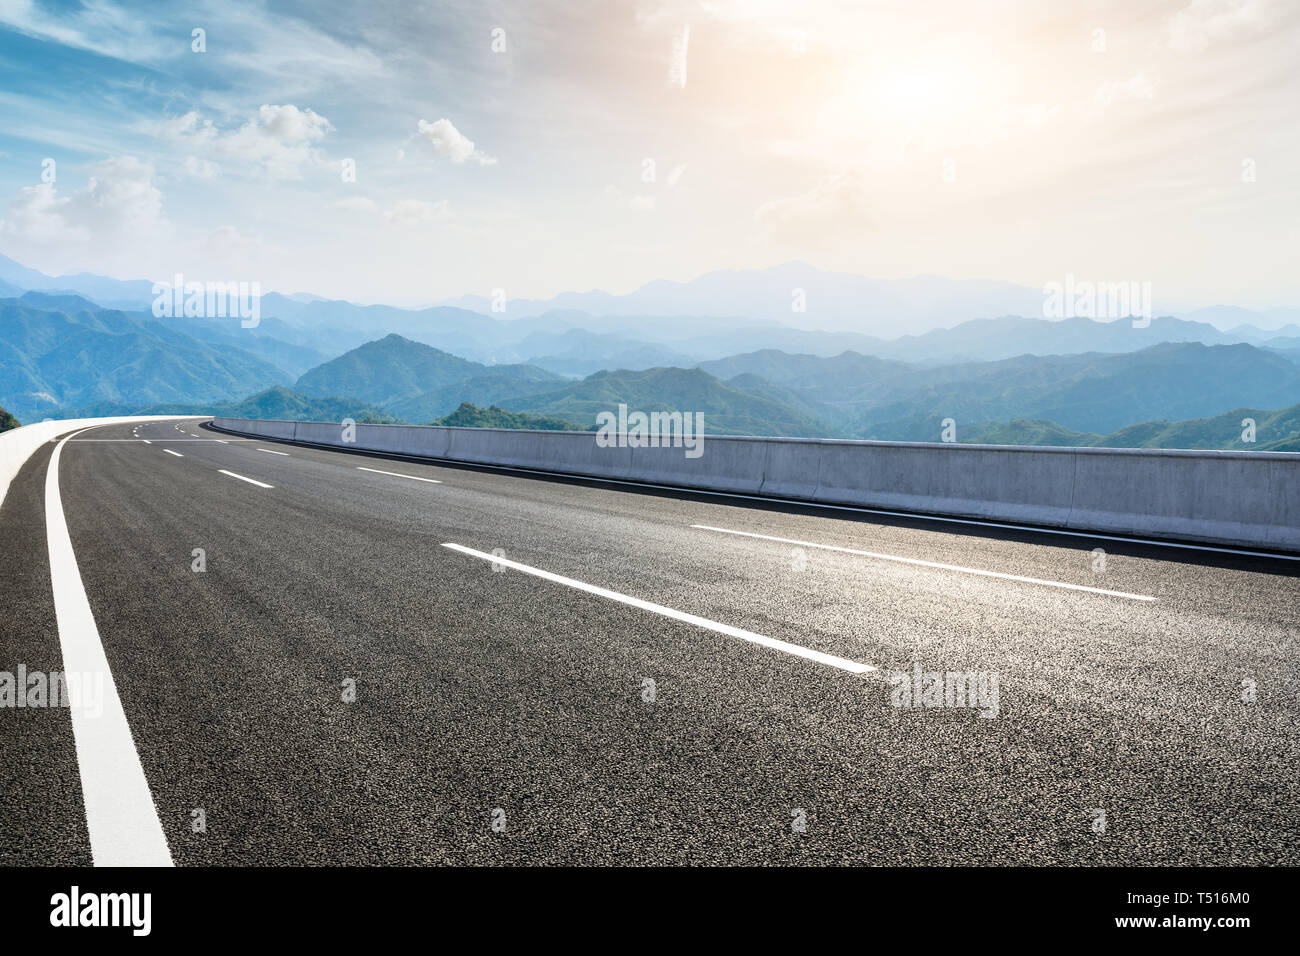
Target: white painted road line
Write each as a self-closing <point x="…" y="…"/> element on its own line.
<point x="432" y="481"/>
<point x="930" y="564"/>
<point x="251" y="481"/>
<point x="842" y="663"/>
<point x="176" y="453"/>
<point x="121" y="818"/>
<point x="146" y="441"/>
<point x="269" y="452"/>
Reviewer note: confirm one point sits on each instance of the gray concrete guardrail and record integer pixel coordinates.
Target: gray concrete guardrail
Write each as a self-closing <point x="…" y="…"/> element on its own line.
<point x="1238" y="499"/>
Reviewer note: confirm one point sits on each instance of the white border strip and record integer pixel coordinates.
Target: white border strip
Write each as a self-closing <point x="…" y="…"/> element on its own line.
<point x="120" y="814"/>
<point x="842" y="663"/>
<point x="929" y="564"/>
<point x="251" y="481"/>
<point x="432" y="481"/>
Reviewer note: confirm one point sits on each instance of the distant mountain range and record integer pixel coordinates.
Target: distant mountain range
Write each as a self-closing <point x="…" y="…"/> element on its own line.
<point x="60" y="352"/>
<point x="279" y="403"/>
<point x="1008" y="378"/>
<point x="15" y="279"/>
<point x="422" y="381"/>
<point x="866" y="397"/>
<point x="729" y="408"/>
<point x="800" y="295"/>
<point x="803" y="296"/>
<point x="682" y="323"/>
<point x="1275" y="430"/>
<point x="850" y="395"/>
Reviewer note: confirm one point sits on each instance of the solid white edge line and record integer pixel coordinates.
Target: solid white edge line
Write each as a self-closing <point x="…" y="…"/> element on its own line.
<point x="802" y="503"/>
<point x="176" y="453"/>
<point x="395" y="474"/>
<point x="251" y="481"/>
<point x="929" y="564"/>
<point x="121" y="819"/>
<point x="270" y="452"/>
<point x="842" y="663"/>
<point x="146" y="441"/>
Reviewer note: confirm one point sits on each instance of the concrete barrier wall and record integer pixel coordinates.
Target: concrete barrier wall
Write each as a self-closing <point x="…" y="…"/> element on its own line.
<point x="1241" y="499"/>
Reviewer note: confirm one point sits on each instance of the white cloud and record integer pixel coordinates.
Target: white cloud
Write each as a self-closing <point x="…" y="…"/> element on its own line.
<point x="283" y="47"/>
<point x="451" y="143"/>
<point x="39" y="213"/>
<point x="101" y="27"/>
<point x="417" y="212"/>
<point x="201" y="168"/>
<point x="119" y="200"/>
<point x="226" y="245"/>
<point x="1204" y="22"/>
<point x="834" y="209"/>
<point x="1139" y="87"/>
<point x="279" y="139"/>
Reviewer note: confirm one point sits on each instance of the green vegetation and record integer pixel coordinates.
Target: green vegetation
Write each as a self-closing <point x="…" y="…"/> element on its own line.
<point x="1021" y="431"/>
<point x="395" y="370"/>
<point x="288" y="405"/>
<point x="727" y="409"/>
<point x="7" y="421"/>
<point x="1087" y="393"/>
<point x="57" y="358"/>
<point x="1277" y="430"/>
<point x="61" y="356"/>
<point x="495" y="385"/>
<point x="469" y="416"/>
<point x="274" y="403"/>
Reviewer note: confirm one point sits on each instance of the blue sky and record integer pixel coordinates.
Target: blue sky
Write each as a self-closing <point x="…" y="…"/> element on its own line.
<point x="994" y="140"/>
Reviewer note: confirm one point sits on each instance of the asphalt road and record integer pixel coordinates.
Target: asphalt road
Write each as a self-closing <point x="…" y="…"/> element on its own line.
<point x="503" y="717"/>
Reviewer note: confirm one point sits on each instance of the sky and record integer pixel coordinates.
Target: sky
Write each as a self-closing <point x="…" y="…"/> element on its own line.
<point x="552" y="145"/>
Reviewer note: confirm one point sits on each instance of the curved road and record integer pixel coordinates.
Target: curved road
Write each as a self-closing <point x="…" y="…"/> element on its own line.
<point x="641" y="677"/>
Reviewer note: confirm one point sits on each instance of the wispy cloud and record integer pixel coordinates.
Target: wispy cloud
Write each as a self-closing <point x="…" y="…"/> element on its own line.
<point x="1203" y="23"/>
<point x="450" y="143"/>
<point x="277" y="139"/>
<point x="1139" y="87"/>
<point x="836" y="208"/>
<point x="417" y="212"/>
<point x="119" y="199"/>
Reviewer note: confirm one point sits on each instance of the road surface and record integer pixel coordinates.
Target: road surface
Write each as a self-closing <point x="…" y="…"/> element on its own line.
<point x="639" y="677"/>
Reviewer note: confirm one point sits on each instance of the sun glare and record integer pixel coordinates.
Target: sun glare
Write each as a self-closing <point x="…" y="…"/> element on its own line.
<point x="910" y="90"/>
